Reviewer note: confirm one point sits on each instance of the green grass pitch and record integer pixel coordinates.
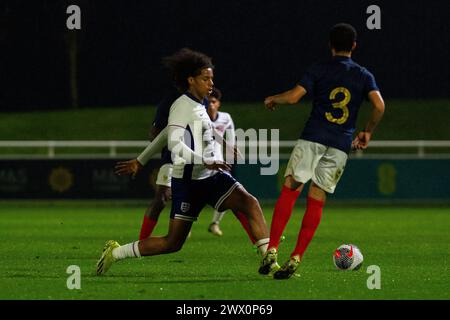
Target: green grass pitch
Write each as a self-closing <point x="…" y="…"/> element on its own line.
<point x="38" y="241"/>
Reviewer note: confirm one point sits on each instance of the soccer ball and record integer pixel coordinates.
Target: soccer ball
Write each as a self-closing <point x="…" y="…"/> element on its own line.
<point x="348" y="257"/>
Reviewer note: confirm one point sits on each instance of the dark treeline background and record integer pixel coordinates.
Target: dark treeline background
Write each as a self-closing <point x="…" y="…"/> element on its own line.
<point x="258" y="48"/>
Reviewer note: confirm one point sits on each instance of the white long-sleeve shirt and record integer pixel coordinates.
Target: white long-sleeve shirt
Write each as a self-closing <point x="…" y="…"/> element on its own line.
<point x="223" y="125"/>
<point x="154" y="147"/>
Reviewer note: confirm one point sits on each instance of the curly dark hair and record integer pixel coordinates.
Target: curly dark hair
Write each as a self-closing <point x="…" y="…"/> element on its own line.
<point x="216" y="93"/>
<point x="342" y="36"/>
<point x="186" y="63"/>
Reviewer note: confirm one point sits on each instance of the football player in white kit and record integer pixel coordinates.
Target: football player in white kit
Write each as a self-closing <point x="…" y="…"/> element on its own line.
<point x="198" y="178"/>
<point x="224" y="126"/>
<point x="224" y="137"/>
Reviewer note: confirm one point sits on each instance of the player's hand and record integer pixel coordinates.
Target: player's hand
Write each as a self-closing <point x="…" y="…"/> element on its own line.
<point x="218" y="165"/>
<point x="130" y="167"/>
<point x="270" y="104"/>
<point x="361" y="140"/>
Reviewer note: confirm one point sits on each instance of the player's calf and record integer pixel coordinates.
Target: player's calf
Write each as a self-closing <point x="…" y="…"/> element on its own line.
<point x="172" y="242"/>
<point x="242" y="201"/>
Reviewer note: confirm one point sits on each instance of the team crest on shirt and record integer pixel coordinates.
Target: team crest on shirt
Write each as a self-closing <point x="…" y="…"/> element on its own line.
<point x="185" y="207"/>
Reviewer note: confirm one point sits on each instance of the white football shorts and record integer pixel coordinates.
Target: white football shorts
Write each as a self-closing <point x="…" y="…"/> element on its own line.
<point x="165" y="175"/>
<point x="312" y="160"/>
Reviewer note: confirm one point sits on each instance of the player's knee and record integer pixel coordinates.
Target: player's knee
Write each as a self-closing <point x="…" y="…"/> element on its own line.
<point x="173" y="246"/>
<point x="251" y="202"/>
<point x="291" y="183"/>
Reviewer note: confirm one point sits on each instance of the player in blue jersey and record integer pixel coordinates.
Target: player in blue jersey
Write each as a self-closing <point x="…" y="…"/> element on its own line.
<point x="337" y="88"/>
<point x="163" y="192"/>
<point x="198" y="178"/>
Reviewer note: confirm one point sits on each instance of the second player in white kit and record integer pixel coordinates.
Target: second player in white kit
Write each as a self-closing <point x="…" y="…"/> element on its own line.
<point x="224" y="127"/>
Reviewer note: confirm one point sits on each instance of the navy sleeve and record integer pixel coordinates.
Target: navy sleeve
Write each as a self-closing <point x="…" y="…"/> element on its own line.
<point x="369" y="84"/>
<point x="163" y="109"/>
<point x="308" y="79"/>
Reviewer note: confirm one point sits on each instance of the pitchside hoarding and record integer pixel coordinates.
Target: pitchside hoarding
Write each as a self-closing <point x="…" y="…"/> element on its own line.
<point x="369" y="179"/>
<point x="388" y="180"/>
<point x="73" y="179"/>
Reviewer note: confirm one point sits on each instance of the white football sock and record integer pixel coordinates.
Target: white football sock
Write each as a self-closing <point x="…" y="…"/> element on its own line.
<point x="218" y="216"/>
<point x="262" y="245"/>
<point x="130" y="250"/>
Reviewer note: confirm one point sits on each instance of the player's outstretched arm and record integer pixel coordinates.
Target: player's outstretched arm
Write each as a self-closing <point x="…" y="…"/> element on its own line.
<point x="132" y="167"/>
<point x="156" y="146"/>
<point x="362" y="139"/>
<point x="288" y="97"/>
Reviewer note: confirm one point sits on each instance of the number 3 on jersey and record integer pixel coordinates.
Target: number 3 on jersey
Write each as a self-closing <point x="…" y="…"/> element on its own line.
<point x="339" y="105"/>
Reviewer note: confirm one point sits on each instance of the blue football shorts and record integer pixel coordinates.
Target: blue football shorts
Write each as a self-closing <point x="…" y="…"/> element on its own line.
<point x="189" y="197"/>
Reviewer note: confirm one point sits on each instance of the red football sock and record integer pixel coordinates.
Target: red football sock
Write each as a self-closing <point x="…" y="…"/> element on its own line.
<point x="147" y="227"/>
<point x="281" y="214"/>
<point x="310" y="222"/>
<point x="244" y="222"/>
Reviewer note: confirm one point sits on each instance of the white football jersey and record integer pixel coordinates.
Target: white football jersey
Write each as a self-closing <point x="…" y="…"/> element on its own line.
<point x="191" y="115"/>
<point x="223" y="125"/>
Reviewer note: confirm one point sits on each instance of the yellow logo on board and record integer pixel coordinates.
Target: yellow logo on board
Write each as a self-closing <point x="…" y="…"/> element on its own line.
<point x="60" y="179"/>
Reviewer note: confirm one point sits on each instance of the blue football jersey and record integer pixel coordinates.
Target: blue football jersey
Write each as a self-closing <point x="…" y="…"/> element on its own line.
<point x="337" y="88"/>
<point x="161" y="117"/>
